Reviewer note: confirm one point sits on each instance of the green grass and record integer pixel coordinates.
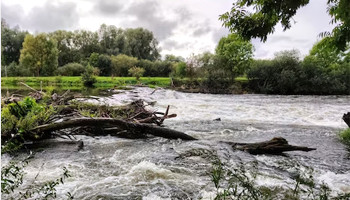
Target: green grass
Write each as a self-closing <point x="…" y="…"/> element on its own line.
<point x="345" y="136"/>
<point x="75" y="81"/>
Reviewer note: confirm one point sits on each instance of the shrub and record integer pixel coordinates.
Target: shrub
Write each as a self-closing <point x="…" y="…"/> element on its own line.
<point x="70" y="69"/>
<point x="121" y="64"/>
<point x="14" y="69"/>
<point x="88" y="77"/>
<point x="136" y="72"/>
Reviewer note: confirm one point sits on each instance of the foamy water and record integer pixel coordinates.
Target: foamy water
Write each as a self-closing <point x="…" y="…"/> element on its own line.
<point x="114" y="168"/>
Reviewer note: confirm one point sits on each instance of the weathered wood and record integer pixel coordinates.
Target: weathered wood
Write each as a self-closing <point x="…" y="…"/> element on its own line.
<point x="346" y="118"/>
<point x="109" y="122"/>
<point x="277" y="145"/>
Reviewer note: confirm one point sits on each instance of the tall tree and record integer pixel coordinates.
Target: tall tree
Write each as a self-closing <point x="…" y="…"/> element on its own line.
<point x="236" y="52"/>
<point x="39" y="54"/>
<point x="11" y="43"/>
<point x="267" y="13"/>
<point x="87" y="42"/>
<point x="141" y="44"/>
<point x="112" y="39"/>
<point x="68" y="52"/>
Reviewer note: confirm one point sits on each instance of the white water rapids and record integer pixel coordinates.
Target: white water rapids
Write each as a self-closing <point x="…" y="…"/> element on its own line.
<point x="114" y="168"/>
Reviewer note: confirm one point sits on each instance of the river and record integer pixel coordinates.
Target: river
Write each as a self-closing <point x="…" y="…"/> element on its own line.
<point x="114" y="168"/>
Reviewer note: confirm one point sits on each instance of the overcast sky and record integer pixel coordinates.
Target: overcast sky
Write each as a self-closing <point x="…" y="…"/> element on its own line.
<point x="182" y="27"/>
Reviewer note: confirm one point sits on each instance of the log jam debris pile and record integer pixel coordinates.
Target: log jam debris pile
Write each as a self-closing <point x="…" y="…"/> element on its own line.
<point x="63" y="116"/>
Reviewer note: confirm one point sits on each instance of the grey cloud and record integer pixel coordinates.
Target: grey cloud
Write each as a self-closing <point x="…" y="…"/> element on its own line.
<point x="12" y="14"/>
<point x="184" y="13"/>
<point x="284" y="38"/>
<point x="108" y="7"/>
<point x="219" y="33"/>
<point x="172" y="44"/>
<point x="202" y="29"/>
<point x="51" y="17"/>
<point x="146" y="13"/>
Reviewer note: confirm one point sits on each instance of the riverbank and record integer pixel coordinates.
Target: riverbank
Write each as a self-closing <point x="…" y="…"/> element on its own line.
<point x="184" y="84"/>
<point x="75" y="81"/>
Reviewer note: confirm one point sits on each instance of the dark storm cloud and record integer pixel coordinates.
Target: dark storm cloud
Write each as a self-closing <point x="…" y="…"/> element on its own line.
<point x="147" y="15"/>
<point x="51" y="17"/>
<point x="108" y="7"/>
<point x="13" y="14"/>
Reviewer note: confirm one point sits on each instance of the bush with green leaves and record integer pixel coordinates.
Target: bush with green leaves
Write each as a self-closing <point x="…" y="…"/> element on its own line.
<point x="286" y="74"/>
<point x="14" y="69"/>
<point x="70" y="69"/>
<point x="18" y="118"/>
<point x="136" y="72"/>
<point x="180" y="69"/>
<point x="88" y="76"/>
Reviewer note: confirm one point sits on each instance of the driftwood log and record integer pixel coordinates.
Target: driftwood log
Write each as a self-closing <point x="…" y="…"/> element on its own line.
<point x="346" y="118"/>
<point x="276" y="146"/>
<point x="131" y="128"/>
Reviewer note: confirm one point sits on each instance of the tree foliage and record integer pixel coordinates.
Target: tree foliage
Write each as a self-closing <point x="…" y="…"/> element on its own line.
<point x="11" y="43"/>
<point x="267" y="13"/>
<point x="70" y="69"/>
<point x="141" y="44"/>
<point x="39" y="54"/>
<point x="121" y="64"/>
<point x="287" y="74"/>
<point x="236" y="52"/>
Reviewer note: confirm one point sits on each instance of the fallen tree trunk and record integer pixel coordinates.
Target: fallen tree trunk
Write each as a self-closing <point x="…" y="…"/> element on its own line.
<point x="277" y="145"/>
<point x="132" y="128"/>
<point x="346" y="118"/>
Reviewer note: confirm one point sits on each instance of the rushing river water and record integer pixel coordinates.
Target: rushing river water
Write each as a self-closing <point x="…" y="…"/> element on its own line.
<point x="114" y="168"/>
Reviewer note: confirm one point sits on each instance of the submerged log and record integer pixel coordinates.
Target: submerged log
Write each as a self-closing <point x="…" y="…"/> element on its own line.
<point x="277" y="145"/>
<point x="132" y="128"/>
<point x="346" y="118"/>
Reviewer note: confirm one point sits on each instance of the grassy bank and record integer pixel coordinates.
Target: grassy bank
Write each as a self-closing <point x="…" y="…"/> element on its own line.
<point x="75" y="81"/>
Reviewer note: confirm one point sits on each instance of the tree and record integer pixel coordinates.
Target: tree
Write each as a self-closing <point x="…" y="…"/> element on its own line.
<point x="87" y="42"/>
<point x="39" y="55"/>
<point x="267" y="13"/>
<point x="180" y="69"/>
<point x="112" y="39"/>
<point x="104" y="63"/>
<point x="11" y="43"/>
<point x="141" y="44"/>
<point x="173" y="58"/>
<point x="68" y="51"/>
<point x="121" y="64"/>
<point x="327" y="55"/>
<point x="236" y="52"/>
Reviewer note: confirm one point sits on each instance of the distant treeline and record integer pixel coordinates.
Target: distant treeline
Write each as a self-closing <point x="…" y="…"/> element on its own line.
<point x="112" y="51"/>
